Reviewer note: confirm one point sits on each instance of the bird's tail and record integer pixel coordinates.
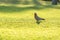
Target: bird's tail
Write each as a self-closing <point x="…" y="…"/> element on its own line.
<point x="43" y="19"/>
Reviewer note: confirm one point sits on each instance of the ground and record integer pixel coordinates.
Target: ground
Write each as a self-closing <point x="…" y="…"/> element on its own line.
<point x="18" y="23"/>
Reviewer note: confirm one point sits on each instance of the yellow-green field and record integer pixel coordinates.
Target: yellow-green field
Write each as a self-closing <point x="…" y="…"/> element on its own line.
<point x="19" y="24"/>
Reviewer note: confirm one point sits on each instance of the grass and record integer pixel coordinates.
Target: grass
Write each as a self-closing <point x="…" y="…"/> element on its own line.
<point x="21" y="25"/>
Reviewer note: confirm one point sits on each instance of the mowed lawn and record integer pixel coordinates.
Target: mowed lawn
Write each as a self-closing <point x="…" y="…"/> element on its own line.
<point x="19" y="24"/>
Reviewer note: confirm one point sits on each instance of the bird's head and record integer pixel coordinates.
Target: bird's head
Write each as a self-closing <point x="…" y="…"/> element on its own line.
<point x="35" y="14"/>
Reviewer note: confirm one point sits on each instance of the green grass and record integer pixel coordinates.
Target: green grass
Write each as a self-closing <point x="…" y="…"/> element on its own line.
<point x="21" y="25"/>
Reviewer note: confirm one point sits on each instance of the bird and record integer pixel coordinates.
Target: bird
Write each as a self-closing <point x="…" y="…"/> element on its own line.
<point x="37" y="18"/>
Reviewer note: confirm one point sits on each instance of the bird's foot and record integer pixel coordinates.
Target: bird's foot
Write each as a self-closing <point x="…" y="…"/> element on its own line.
<point x="38" y="22"/>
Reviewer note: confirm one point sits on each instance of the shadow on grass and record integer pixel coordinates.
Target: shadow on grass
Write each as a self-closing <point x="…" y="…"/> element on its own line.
<point x="17" y="9"/>
<point x="52" y="6"/>
<point x="13" y="9"/>
<point x="20" y="9"/>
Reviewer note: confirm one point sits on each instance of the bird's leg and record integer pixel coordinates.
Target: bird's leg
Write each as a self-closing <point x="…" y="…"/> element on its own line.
<point x="38" y="22"/>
